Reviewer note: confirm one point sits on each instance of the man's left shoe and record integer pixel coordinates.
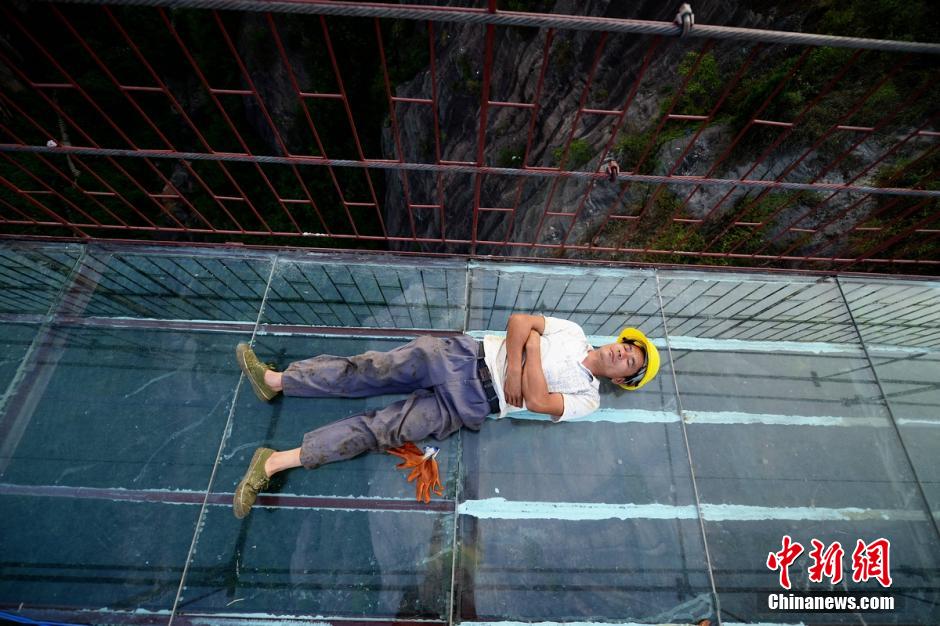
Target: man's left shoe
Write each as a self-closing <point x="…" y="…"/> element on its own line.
<point x="254" y="371"/>
<point x="254" y="481"/>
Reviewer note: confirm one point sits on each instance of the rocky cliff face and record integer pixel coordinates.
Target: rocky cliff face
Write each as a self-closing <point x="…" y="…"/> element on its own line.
<point x="459" y="51"/>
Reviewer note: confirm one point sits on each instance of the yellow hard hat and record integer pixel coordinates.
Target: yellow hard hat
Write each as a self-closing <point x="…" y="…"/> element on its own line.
<point x="652" y="356"/>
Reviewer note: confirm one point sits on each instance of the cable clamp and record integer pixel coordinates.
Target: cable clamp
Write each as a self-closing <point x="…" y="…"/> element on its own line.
<point x="612" y="169"/>
<point x="685" y="19"/>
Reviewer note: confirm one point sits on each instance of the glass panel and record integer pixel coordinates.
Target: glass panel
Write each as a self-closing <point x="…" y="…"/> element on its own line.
<point x="632" y="429"/>
<point x="602" y="301"/>
<point x="326" y="291"/>
<point x="535" y="460"/>
<point x="900" y="325"/>
<point x="895" y="313"/>
<point x="32" y="276"/>
<point x="768" y="308"/>
<point x="739" y="550"/>
<point x="564" y="559"/>
<point x="630" y="570"/>
<point x="77" y="553"/>
<point x="129" y="409"/>
<point x="309" y="561"/>
<point x="789" y="434"/>
<point x="159" y="285"/>
<point x="15" y="341"/>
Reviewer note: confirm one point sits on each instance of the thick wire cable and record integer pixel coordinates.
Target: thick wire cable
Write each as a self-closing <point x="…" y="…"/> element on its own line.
<point x="474" y="169"/>
<point x="538" y="20"/>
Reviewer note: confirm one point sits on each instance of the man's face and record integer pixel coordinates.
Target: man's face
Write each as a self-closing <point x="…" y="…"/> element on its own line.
<point x="620" y="361"/>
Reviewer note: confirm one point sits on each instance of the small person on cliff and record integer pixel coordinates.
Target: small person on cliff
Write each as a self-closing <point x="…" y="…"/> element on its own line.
<point x="543" y="364"/>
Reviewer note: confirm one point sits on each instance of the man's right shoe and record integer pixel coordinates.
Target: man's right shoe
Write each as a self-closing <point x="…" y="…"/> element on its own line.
<point x="254" y="481"/>
<point x="254" y="371"/>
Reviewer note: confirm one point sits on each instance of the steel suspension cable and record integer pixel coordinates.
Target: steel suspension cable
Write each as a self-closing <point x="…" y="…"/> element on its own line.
<point x="469" y="169"/>
<point x="537" y="20"/>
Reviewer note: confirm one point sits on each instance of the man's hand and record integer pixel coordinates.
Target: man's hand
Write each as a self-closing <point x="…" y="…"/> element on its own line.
<point x="518" y="330"/>
<point x="512" y="387"/>
<point x="537" y="396"/>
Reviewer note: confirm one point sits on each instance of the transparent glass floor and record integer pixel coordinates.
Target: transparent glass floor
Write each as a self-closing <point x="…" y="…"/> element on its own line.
<point x="786" y="406"/>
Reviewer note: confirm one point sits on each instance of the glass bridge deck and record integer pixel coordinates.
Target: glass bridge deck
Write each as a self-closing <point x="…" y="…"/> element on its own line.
<point x="786" y="405"/>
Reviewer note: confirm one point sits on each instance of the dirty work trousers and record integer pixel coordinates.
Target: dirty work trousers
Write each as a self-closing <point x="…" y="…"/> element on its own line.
<point x="440" y="373"/>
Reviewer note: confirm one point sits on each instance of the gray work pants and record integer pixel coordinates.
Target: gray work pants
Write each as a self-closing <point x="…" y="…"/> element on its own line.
<point x="440" y="373"/>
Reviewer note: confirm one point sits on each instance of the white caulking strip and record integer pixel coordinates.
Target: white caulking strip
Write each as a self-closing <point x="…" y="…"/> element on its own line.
<point x="730" y="417"/>
<point x="556" y="270"/>
<point x="563" y="270"/>
<point x="763" y="623"/>
<point x="739" y="345"/>
<point x="887" y="350"/>
<point x="918" y="422"/>
<point x="469" y="623"/>
<point x="747" y="513"/>
<point x="500" y="508"/>
<point x="640" y="416"/>
<point x="564" y="624"/>
<point x="618" y="416"/>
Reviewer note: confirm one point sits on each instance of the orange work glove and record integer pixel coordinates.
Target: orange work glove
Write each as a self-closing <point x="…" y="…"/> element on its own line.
<point x="425" y="470"/>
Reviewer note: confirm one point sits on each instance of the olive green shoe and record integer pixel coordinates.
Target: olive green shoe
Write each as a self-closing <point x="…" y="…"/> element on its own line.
<point x="254" y="371"/>
<point x="254" y="481"/>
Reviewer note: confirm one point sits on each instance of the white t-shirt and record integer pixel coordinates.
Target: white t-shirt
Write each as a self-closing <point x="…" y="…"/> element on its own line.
<point x="563" y="347"/>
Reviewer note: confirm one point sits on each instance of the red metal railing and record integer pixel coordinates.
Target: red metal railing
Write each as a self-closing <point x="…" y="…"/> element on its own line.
<point x="89" y="153"/>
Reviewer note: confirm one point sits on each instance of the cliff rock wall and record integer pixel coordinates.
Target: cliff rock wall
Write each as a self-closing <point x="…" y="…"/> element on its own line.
<point x="459" y="52"/>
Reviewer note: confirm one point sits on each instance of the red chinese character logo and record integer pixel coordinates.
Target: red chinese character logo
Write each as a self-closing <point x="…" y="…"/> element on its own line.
<point x="826" y="562"/>
<point x="872" y="561"/>
<point x="782" y="560"/>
